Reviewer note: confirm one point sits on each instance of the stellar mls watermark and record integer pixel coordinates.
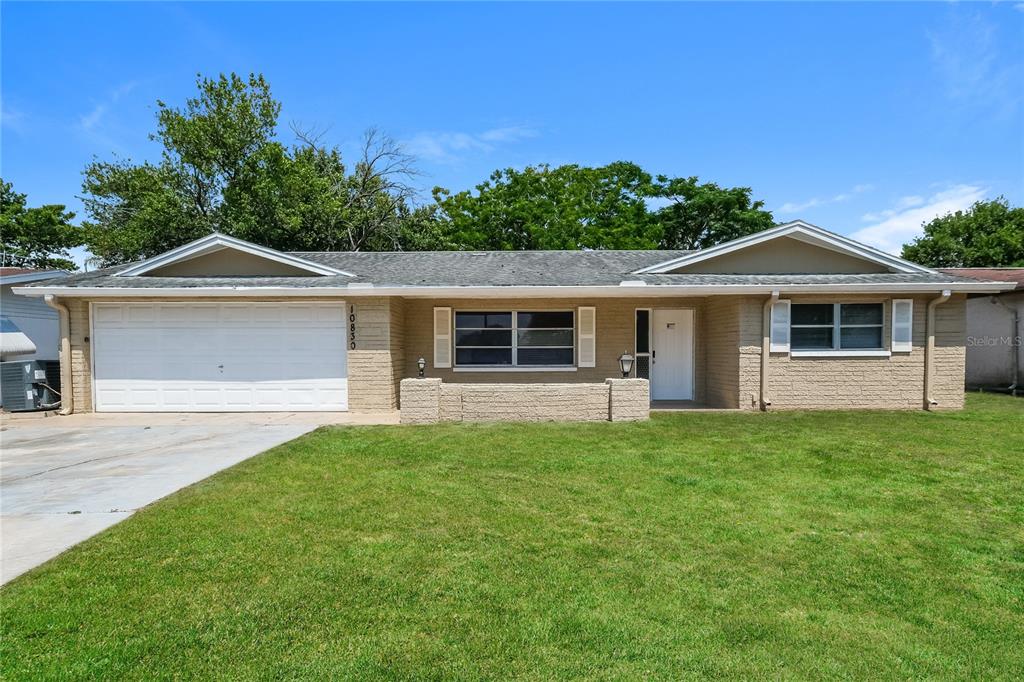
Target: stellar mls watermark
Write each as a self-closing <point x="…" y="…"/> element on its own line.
<point x="991" y="341"/>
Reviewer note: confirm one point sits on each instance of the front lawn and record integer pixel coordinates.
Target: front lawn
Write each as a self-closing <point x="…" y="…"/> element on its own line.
<point x="739" y="545"/>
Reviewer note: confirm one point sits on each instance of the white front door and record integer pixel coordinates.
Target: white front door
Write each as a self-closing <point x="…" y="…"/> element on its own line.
<point x="672" y="355"/>
<point x="219" y="357"/>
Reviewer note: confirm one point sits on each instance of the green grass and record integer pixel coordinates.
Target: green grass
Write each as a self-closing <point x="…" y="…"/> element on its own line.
<point x="732" y="545"/>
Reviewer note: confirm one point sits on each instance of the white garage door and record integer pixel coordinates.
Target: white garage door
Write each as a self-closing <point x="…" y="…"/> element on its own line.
<point x="219" y="357"/>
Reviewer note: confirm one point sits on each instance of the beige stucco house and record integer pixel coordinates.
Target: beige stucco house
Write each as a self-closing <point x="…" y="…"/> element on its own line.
<point x="794" y="317"/>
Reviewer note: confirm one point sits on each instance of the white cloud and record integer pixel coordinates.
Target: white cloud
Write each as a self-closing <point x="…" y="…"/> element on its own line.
<point x="92" y="120"/>
<point x="898" y="225"/>
<point x="449" y="146"/>
<point x="791" y="207"/>
<point x="901" y="204"/>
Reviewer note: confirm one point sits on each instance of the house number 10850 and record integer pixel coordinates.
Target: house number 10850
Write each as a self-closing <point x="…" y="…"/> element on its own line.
<point x="352" y="327"/>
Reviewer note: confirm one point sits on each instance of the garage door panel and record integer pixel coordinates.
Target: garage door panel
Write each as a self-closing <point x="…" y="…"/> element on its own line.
<point x="214" y="357"/>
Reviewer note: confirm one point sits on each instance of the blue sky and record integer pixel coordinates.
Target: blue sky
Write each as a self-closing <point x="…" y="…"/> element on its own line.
<point x="866" y="119"/>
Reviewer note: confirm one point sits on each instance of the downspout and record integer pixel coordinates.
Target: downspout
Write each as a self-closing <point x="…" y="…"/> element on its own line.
<point x="766" y="339"/>
<point x="67" y="403"/>
<point x="929" y="349"/>
<point x="1015" y="316"/>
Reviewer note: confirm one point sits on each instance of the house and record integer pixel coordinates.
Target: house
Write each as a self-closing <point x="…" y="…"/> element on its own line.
<point x="30" y="330"/>
<point x="995" y="331"/>
<point x="794" y="317"/>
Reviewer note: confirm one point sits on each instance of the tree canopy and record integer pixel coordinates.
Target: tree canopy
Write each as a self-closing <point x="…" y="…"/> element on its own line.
<point x="988" y="234"/>
<point x="605" y="207"/>
<point x="37" y="237"/>
<point x="222" y="168"/>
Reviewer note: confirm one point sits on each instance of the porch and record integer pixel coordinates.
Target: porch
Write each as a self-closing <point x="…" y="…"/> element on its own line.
<point x="687" y="348"/>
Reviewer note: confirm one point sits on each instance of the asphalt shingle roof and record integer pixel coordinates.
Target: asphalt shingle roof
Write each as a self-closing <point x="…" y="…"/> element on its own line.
<point x="490" y="268"/>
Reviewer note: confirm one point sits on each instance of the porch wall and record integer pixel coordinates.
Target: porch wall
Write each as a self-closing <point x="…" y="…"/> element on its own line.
<point x="615" y="334"/>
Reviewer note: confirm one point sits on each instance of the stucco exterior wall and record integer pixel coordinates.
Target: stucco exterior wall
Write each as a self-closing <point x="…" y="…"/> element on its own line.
<point x="992" y="340"/>
<point x="895" y="382"/>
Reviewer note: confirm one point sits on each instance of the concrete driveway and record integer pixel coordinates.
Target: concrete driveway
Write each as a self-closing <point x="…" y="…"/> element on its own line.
<point x="64" y="479"/>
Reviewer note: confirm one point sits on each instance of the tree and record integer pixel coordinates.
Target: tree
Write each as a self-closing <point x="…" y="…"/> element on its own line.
<point x="540" y="207"/>
<point x="574" y="207"/>
<point x="988" y="234"/>
<point x="221" y="169"/>
<point x="36" y="237"/>
<point x="702" y="215"/>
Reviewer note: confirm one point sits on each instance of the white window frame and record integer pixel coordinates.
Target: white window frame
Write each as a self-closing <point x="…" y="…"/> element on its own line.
<point x="837" y="327"/>
<point x="515" y="367"/>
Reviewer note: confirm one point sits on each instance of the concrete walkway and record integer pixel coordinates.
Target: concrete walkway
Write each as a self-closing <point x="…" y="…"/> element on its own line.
<point x="64" y="479"/>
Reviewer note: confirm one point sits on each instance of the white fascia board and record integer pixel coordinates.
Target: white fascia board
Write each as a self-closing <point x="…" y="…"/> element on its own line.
<point x="612" y="291"/>
<point x="811" y="234"/>
<point x="215" y="242"/>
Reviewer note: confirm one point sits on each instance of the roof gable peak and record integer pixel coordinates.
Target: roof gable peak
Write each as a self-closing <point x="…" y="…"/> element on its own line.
<point x="216" y="242"/>
<point x="796" y="229"/>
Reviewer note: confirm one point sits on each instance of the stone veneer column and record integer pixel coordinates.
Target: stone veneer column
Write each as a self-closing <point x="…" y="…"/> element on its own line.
<point x="629" y="400"/>
<point x="421" y="401"/>
<point x="371" y="366"/>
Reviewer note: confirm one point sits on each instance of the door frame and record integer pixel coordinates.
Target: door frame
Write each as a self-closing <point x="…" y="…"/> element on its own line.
<point x="691" y="351"/>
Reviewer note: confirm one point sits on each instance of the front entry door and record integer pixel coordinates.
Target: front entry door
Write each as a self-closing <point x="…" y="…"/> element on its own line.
<point x="672" y="355"/>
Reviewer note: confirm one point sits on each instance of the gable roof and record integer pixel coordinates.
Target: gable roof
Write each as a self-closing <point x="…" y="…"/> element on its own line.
<point x="796" y="229"/>
<point x="217" y="242"/>
<point x="499" y="273"/>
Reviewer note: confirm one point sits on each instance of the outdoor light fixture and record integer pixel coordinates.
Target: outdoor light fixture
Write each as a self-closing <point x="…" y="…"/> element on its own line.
<point x="625" y="364"/>
<point x="422" y="364"/>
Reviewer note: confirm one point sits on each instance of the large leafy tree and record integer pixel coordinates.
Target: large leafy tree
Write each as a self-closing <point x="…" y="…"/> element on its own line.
<point x="38" y="237"/>
<point x="988" y="234"/>
<point x="540" y="207"/>
<point x="222" y="169"/>
<point x="607" y="207"/>
<point x="700" y="215"/>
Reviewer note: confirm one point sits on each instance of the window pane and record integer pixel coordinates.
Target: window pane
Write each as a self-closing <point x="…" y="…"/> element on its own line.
<point x="545" y="337"/>
<point x="545" y="356"/>
<point x="860" y="313"/>
<point x="545" y="320"/>
<point x="805" y="313"/>
<point x="483" y="337"/>
<point x="643" y="343"/>
<point x="483" y="320"/>
<point x="483" y="356"/>
<point x="812" y="337"/>
<point x="861" y="337"/>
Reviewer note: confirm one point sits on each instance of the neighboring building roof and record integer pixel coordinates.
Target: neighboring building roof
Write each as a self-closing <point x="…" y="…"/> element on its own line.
<point x="24" y="275"/>
<point x="1015" y="275"/>
<point x="13" y="341"/>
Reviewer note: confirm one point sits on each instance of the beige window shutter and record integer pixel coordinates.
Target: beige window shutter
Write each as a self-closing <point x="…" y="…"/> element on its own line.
<point x="442" y="337"/>
<point x="587" y="322"/>
<point x="780" y="327"/>
<point x="902" y="325"/>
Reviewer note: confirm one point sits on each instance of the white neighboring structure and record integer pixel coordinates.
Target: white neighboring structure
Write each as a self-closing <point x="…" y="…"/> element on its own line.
<point x="995" y="331"/>
<point x="31" y="316"/>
